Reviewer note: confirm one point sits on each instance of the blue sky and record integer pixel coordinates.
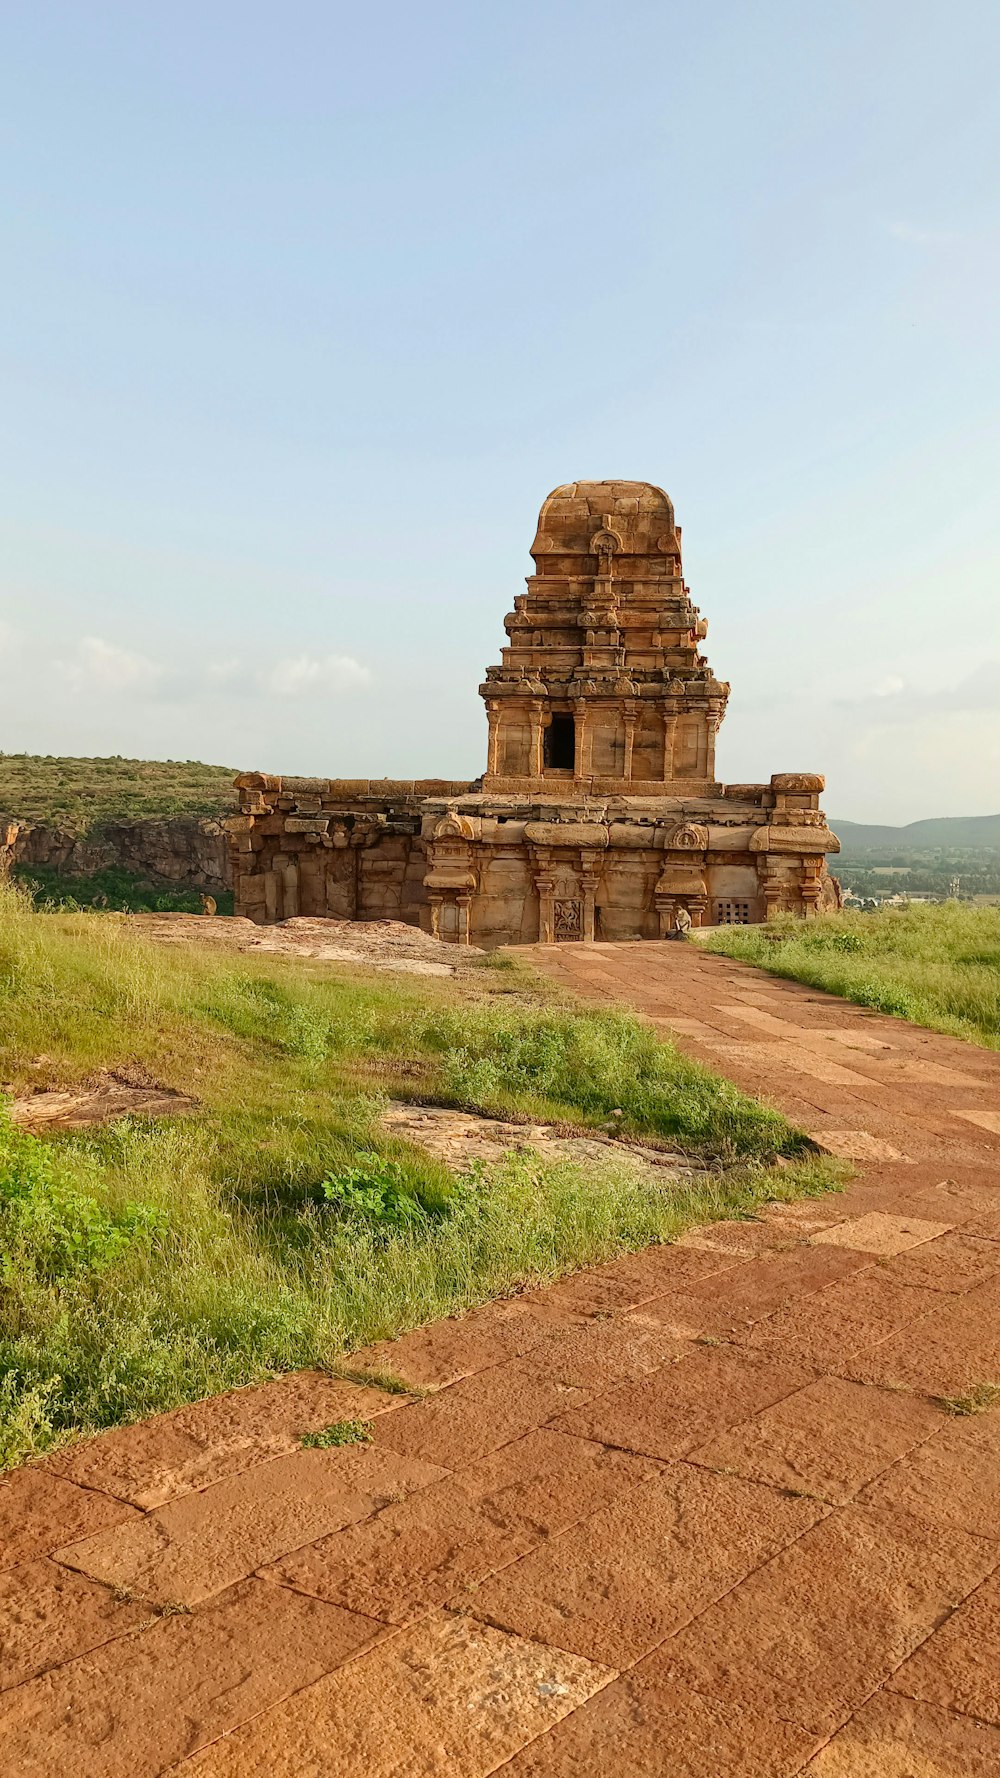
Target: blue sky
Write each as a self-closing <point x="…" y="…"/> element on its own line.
<point x="306" y="308"/>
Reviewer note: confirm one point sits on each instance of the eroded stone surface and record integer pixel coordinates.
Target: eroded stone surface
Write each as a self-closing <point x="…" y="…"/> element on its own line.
<point x="48" y="1614"/>
<point x="829" y="1439"/>
<point x="810" y="1635"/>
<point x="881" y="1234"/>
<point x="890" y="1737"/>
<point x="952" y="1479"/>
<point x="447" y="1538"/>
<point x="476" y="1415"/>
<point x="682" y="1405"/>
<point x="194" y="1446"/>
<point x="644" y="1566"/>
<point x="957" y="1666"/>
<point x="635" y="1725"/>
<point x="39" y="1511"/>
<point x="202" y="1543"/>
<point x="454" y="1696"/>
<point x="144" y="1701"/>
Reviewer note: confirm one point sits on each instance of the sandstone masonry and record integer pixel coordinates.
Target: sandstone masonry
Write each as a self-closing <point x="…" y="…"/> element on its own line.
<point x="598" y="816"/>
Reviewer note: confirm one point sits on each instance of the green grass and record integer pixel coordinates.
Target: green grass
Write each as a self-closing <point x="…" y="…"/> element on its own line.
<point x="150" y="1263"/>
<point x="342" y="1432"/>
<point x="76" y="794"/>
<point x="118" y="890"/>
<point x="937" y="965"/>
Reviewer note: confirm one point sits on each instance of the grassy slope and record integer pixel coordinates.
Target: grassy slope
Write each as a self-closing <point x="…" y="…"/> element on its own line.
<point x="75" y="794"/>
<point x="146" y="1263"/>
<point x="938" y="965"/>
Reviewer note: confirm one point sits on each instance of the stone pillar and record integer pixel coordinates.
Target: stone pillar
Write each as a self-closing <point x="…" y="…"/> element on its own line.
<point x="588" y="883"/>
<point x="581" y="740"/>
<point x="493" y="748"/>
<point x="669" y="730"/>
<point x="545" y="885"/>
<point x="535" y="758"/>
<point x="665" y="913"/>
<point x="812" y="871"/>
<point x="697" y="906"/>
<point x="291" y="890"/>
<point x="464" y="904"/>
<point x="701" y="757"/>
<point x="713" y="729"/>
<point x="434" y="906"/>
<point x="630" y="722"/>
<point x="272" y="895"/>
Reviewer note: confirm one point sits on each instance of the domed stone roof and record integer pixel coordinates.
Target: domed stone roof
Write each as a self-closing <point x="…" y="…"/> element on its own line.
<point x="635" y="517"/>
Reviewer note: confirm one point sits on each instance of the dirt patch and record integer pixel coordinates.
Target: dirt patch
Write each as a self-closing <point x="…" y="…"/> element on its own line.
<point x="380" y="944"/>
<point x="460" y="1137"/>
<point x="77" y="1108"/>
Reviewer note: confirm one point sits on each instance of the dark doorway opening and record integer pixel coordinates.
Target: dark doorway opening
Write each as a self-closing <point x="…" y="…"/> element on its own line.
<point x="559" y="750"/>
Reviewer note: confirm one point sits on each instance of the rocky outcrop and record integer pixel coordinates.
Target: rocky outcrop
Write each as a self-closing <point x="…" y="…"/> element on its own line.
<point x="188" y="850"/>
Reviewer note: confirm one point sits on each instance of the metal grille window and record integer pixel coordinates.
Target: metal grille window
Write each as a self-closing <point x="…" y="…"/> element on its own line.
<point x="732" y="913"/>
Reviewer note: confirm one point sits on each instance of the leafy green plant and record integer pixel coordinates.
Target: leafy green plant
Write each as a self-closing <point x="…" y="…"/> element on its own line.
<point x="375" y="1190"/>
<point x="48" y="1223"/>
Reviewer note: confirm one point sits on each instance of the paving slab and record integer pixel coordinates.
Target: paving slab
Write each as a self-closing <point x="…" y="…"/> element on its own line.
<point x="891" y="1737"/>
<point x="953" y="1478"/>
<point x="449" y="1537"/>
<point x="142" y="1702"/>
<point x="192" y="1447"/>
<point x="476" y="1415"/>
<point x="200" y="1544"/>
<point x="634" y="1573"/>
<point x="451" y="1696"/>
<point x="809" y="1635"/>
<point x="947" y="1352"/>
<point x="829" y="1327"/>
<point x="735" y="1300"/>
<point x="827" y="1439"/>
<point x="683" y="1405"/>
<point x="48" y="1614"/>
<point x="881" y="1234"/>
<point x="635" y="1726"/>
<point x="39" y="1511"/>
<point x="957" y="1666"/>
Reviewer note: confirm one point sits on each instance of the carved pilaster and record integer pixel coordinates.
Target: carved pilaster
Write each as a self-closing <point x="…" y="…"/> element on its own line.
<point x="493" y="748"/>
<point x="669" y="730"/>
<point x="536" y="754"/>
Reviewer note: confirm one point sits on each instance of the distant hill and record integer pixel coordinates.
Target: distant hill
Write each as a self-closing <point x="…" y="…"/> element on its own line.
<point x="947" y="831"/>
<point x="77" y="794"/>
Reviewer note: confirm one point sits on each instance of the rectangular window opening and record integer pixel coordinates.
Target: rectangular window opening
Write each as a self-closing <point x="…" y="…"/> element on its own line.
<point x="559" y="743"/>
<point x="732" y="913"/>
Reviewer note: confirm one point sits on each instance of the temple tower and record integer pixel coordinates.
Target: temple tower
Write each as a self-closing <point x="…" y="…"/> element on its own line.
<point x="602" y="688"/>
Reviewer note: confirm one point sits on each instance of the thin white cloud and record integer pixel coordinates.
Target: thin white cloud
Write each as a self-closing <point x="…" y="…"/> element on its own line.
<point x="921" y="237"/>
<point x="889" y="686"/>
<point x="306" y="673"/>
<point x="106" y="667"/>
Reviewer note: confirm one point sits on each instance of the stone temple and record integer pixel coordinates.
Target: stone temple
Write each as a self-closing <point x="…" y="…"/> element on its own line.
<point x="599" y="815"/>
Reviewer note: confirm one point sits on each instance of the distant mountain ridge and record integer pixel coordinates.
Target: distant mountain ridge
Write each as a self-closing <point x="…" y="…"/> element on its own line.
<point x="941" y="830"/>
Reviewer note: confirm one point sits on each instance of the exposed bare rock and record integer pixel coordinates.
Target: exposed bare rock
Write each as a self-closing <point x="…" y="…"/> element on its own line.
<point x="76" y="1108"/>
<point x="183" y="849"/>
<point x="379" y="944"/>
<point x="460" y="1137"/>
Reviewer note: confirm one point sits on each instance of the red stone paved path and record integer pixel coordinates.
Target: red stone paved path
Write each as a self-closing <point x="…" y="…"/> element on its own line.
<point x="698" y="1513"/>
